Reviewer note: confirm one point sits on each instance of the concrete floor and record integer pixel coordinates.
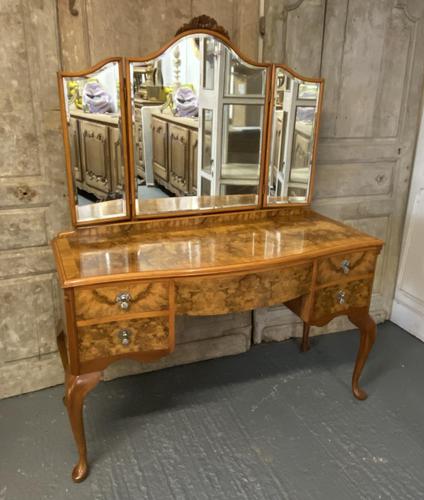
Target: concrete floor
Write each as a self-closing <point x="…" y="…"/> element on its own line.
<point x="269" y="424"/>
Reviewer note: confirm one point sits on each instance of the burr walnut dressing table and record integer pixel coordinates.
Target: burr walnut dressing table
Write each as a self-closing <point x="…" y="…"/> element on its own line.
<point x="190" y="176"/>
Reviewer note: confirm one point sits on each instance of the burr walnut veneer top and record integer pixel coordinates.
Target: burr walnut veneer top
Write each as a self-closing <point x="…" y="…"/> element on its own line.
<point x="193" y="246"/>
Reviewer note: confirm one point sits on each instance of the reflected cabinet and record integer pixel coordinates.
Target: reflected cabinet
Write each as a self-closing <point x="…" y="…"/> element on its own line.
<point x="191" y="172"/>
<point x="95" y="142"/>
<point x="195" y="127"/>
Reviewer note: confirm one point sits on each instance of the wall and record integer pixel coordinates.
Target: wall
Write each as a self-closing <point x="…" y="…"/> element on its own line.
<point x="32" y="195"/>
<point x="140" y="27"/>
<point x="43" y="37"/>
<point x="370" y="54"/>
<point x="408" y="303"/>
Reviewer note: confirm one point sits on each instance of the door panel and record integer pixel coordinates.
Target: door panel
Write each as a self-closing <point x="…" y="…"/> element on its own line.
<point x="179" y="157"/>
<point x="95" y="155"/>
<point x="408" y="303"/>
<point x="75" y="149"/>
<point x="160" y="149"/>
<point x="369" y="120"/>
<point x="116" y="160"/>
<point x="33" y="198"/>
<point x="193" y="161"/>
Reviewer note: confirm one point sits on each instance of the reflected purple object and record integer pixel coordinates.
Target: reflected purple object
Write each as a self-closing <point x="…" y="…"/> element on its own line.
<point x="185" y="102"/>
<point x="96" y="99"/>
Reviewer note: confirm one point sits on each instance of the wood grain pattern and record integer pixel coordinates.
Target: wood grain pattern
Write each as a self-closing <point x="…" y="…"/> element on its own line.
<point x="356" y="294"/>
<point x="330" y="268"/>
<point x="200" y="246"/>
<point x="221" y="295"/>
<point x="101" y="301"/>
<point x="146" y="334"/>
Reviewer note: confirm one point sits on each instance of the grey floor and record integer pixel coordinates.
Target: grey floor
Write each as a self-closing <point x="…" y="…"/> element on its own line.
<point x="150" y="192"/>
<point x="269" y="424"/>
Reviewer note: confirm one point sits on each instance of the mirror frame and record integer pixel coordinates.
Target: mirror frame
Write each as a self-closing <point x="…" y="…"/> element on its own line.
<point x="264" y="140"/>
<point x="318" y="109"/>
<point x="61" y="75"/>
<point x="128" y="143"/>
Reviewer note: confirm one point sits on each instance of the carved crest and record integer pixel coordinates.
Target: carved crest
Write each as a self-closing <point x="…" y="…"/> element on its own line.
<point x="204" y="23"/>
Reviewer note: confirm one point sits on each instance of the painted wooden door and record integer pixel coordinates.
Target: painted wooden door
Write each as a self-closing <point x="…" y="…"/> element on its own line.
<point x="33" y="199"/>
<point x="408" y="304"/>
<point x="370" y="54"/>
<point x="33" y="196"/>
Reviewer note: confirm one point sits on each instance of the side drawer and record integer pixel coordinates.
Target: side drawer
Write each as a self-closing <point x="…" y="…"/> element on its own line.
<point x="143" y="335"/>
<point x="345" y="265"/>
<point x="241" y="292"/>
<point x="121" y="299"/>
<point x="339" y="298"/>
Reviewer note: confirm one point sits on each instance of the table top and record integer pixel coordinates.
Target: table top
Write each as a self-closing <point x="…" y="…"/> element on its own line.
<point x="195" y="246"/>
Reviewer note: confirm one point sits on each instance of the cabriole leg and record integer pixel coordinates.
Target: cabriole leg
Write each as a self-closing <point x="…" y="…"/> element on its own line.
<point x="368" y="332"/>
<point x="77" y="388"/>
<point x="305" y="345"/>
<point x="61" y="345"/>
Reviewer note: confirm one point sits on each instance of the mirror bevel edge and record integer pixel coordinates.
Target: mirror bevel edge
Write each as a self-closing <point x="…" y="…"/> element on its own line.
<point x="61" y="75"/>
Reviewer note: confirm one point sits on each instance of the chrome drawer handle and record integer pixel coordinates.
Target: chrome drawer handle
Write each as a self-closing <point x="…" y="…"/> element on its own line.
<point x="123" y="299"/>
<point x="124" y="337"/>
<point x="341" y="297"/>
<point x="345" y="266"/>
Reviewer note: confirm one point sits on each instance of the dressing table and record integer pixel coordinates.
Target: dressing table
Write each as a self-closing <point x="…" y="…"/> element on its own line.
<point x="208" y="244"/>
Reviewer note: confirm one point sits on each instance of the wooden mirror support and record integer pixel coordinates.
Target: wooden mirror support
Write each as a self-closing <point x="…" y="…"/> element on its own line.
<point x="124" y="283"/>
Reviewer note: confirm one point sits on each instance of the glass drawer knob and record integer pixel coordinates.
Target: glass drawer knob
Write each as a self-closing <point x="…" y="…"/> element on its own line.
<point x="124" y="337"/>
<point x="345" y="265"/>
<point x="341" y="297"/>
<point x="123" y="299"/>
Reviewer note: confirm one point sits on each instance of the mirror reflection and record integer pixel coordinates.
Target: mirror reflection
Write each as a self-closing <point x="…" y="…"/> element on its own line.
<point x="293" y="131"/>
<point x="93" y="114"/>
<point x="197" y="117"/>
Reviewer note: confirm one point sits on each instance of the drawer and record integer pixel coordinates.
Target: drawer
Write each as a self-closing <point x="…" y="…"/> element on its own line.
<point x="345" y="265"/>
<point x="339" y="298"/>
<point x="144" y="335"/>
<point x="241" y="292"/>
<point x="121" y="299"/>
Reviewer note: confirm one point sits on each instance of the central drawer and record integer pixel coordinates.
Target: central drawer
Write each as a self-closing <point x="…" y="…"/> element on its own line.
<point x="241" y="292"/>
<point x="121" y="299"/>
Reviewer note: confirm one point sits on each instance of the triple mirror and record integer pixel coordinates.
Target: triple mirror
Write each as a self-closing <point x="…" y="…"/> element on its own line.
<point x="203" y="129"/>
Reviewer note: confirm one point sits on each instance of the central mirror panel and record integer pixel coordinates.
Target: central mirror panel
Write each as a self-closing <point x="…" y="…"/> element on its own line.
<point x="197" y="116"/>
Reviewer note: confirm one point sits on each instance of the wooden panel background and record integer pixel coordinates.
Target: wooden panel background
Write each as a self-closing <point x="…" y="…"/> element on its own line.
<point x="33" y="199"/>
<point x="33" y="196"/>
<point x="370" y="54"/>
